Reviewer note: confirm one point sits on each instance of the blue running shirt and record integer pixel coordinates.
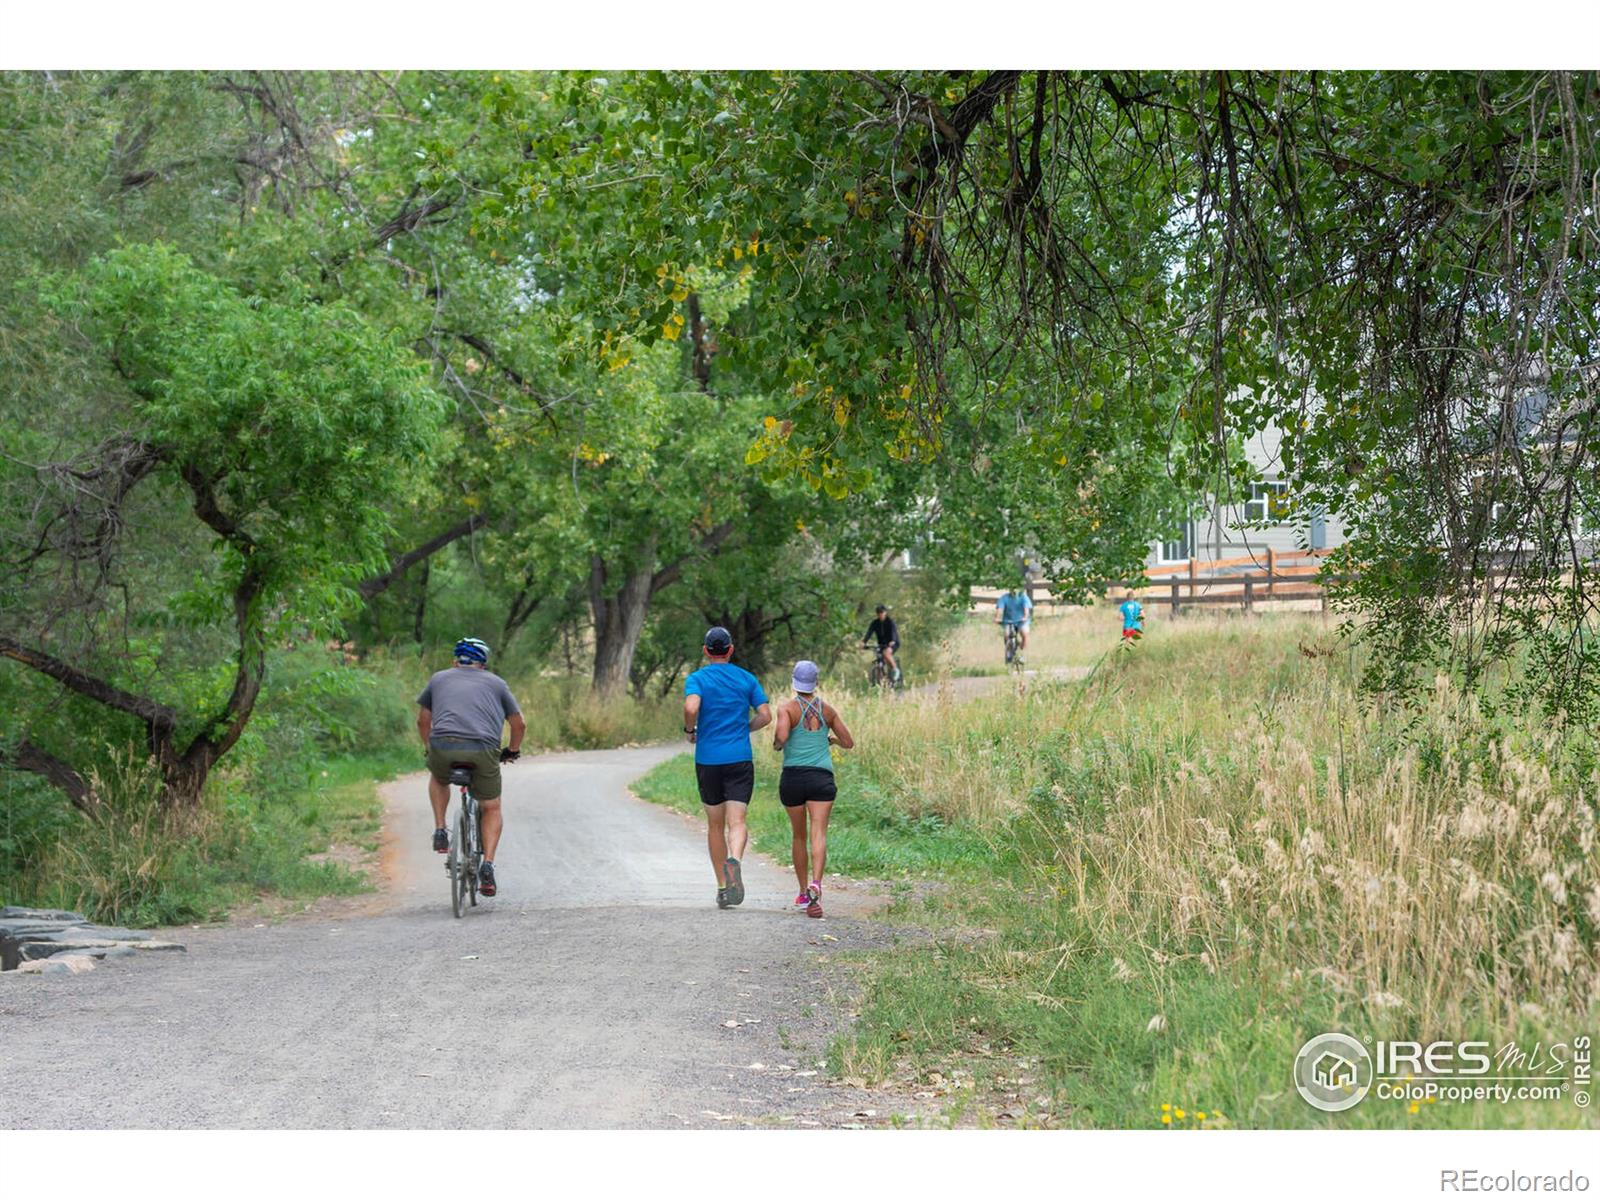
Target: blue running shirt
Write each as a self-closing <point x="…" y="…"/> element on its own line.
<point x="727" y="694"/>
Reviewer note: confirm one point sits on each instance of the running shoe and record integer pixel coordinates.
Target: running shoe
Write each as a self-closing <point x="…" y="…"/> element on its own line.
<point x="803" y="899"/>
<point x="441" y="841"/>
<point x="735" y="877"/>
<point x="813" y="901"/>
<point x="486" y="885"/>
<point x="722" y="897"/>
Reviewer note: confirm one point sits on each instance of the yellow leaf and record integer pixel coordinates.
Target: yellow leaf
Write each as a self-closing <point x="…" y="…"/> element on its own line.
<point x="671" y="331"/>
<point x="770" y="422"/>
<point x="738" y="253"/>
<point x="905" y="392"/>
<point x="680" y="294"/>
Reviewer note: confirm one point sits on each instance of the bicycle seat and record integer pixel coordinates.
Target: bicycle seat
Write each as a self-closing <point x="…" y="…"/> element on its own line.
<point x="461" y="774"/>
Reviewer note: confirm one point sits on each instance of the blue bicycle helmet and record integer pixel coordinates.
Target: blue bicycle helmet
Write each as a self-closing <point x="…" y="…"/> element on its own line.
<point x="471" y="650"/>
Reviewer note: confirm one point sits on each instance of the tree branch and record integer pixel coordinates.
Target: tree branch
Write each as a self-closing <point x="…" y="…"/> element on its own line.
<point x="154" y="714"/>
<point x="374" y="584"/>
<point x="25" y="756"/>
<point x="672" y="572"/>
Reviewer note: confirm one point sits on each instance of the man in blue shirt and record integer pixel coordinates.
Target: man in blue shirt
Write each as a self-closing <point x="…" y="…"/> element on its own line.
<point x="717" y="700"/>
<point x="1015" y="608"/>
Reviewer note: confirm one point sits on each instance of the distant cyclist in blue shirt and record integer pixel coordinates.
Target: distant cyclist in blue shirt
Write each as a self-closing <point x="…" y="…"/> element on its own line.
<point x="1015" y="608"/>
<point x="717" y="701"/>
<point x="1132" y="616"/>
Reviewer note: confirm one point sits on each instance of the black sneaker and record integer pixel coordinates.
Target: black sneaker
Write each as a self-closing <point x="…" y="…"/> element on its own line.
<point x="486" y="879"/>
<point x="441" y="841"/>
<point x="722" y="897"/>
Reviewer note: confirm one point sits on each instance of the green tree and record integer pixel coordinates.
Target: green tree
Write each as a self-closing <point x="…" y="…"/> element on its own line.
<point x="278" y="430"/>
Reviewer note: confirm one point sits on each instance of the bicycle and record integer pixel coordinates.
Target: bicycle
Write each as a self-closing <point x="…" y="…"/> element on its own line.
<point x="880" y="675"/>
<point x="1014" y="658"/>
<point x="466" y="844"/>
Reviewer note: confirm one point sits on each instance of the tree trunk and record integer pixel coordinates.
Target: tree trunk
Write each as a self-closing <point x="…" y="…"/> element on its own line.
<point x="751" y="629"/>
<point x="523" y="605"/>
<point x="619" y="611"/>
<point x="618" y="620"/>
<point x="422" y="604"/>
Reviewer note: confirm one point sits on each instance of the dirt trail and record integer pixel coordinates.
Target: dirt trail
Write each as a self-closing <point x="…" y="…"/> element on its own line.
<point x="602" y="988"/>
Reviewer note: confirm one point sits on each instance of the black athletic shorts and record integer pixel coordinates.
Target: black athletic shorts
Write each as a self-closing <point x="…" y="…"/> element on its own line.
<point x="798" y="784"/>
<point x="721" y="782"/>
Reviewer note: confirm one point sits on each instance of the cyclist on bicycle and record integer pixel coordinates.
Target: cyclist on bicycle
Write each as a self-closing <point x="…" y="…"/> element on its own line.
<point x="1015" y="608"/>
<point x="461" y="714"/>
<point x="887" y="634"/>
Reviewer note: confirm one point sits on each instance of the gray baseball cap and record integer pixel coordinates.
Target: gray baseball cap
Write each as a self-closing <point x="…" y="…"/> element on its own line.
<point x="805" y="676"/>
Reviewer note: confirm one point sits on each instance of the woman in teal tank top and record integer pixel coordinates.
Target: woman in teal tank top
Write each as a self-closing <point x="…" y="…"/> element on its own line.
<point x="804" y="730"/>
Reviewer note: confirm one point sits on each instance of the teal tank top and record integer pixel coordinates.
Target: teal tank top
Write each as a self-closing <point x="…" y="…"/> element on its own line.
<point x="808" y="747"/>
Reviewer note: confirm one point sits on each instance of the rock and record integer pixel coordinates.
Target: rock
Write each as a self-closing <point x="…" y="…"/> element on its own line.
<point x="99" y="933"/>
<point x="66" y="964"/>
<point x="42" y="934"/>
<point x="13" y="933"/>
<point x="30" y="951"/>
<point x="12" y="912"/>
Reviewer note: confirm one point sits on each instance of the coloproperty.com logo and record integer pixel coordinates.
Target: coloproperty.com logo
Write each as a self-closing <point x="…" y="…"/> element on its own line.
<point x="1335" y="1071"/>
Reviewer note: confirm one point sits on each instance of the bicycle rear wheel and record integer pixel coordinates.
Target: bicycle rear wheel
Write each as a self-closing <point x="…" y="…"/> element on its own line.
<point x="475" y="859"/>
<point x="461" y="857"/>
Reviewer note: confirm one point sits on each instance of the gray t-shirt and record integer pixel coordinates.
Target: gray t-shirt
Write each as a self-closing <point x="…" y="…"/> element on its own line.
<point x="468" y="705"/>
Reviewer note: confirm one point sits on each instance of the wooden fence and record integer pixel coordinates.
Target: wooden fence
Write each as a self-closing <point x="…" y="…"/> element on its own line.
<point x="1283" y="575"/>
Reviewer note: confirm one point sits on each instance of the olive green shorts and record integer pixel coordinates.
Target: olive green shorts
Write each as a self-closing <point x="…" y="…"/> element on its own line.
<point x="485" y="767"/>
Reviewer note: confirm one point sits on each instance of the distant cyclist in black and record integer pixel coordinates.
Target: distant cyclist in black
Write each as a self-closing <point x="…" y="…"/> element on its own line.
<point x="887" y="635"/>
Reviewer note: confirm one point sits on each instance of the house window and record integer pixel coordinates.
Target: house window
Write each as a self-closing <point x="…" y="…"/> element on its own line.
<point x="1269" y="502"/>
<point x="1178" y="549"/>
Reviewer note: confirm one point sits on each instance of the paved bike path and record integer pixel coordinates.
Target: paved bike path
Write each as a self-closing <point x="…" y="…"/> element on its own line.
<point x="601" y="988"/>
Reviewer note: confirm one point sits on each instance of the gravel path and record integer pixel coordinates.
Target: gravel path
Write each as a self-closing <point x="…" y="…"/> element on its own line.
<point x="601" y="988"/>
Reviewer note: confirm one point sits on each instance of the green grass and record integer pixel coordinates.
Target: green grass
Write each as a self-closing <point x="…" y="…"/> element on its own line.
<point x="139" y="867"/>
<point x="1176" y="872"/>
<point x="303" y="780"/>
<point x="868" y="835"/>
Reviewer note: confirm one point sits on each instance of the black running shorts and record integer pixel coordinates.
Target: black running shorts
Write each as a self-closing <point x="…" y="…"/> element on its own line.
<point x="798" y="784"/>
<point x="723" y="782"/>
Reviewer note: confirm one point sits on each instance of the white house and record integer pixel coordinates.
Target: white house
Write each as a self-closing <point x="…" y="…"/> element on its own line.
<point x="1249" y="525"/>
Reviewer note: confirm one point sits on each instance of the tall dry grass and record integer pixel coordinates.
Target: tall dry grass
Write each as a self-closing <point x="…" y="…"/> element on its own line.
<point x="1074" y="637"/>
<point x="1223" y="795"/>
